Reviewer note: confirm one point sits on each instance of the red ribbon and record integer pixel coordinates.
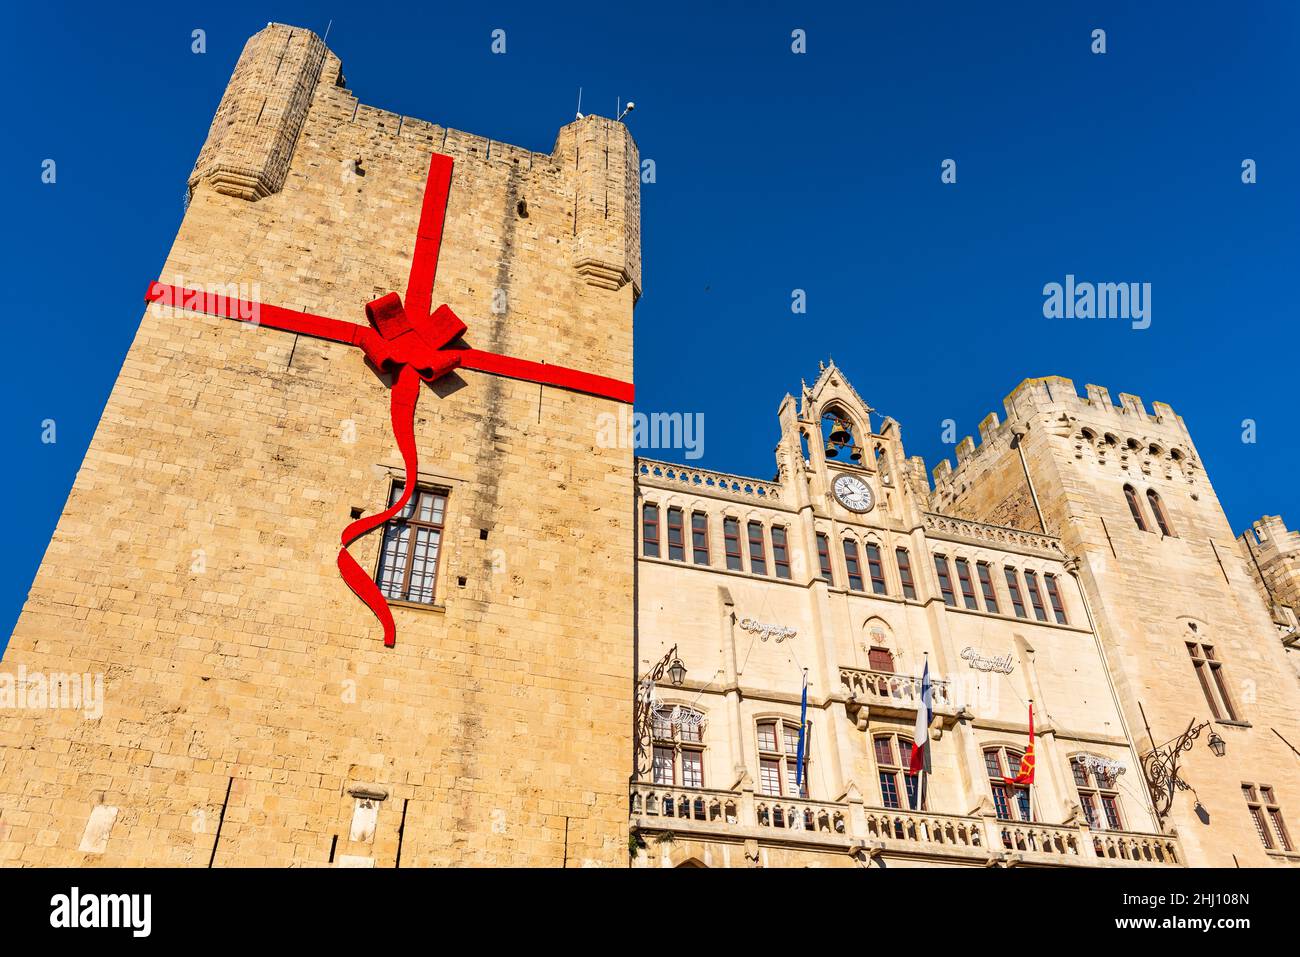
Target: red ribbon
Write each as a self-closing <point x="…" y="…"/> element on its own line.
<point x="407" y="341"/>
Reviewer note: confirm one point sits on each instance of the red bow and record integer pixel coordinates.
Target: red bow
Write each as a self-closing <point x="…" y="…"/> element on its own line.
<point x="411" y="343"/>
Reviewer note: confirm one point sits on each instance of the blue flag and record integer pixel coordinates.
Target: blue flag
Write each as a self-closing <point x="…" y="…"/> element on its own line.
<point x="803" y="723"/>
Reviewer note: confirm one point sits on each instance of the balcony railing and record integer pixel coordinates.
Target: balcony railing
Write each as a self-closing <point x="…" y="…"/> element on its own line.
<point x="885" y="693"/>
<point x="850" y="826"/>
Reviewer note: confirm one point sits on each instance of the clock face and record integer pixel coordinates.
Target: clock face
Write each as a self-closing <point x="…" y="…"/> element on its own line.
<point x="853" y="493"/>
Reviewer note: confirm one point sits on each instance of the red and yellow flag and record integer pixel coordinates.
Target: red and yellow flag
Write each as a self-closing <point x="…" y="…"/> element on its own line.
<point x="1025" y="775"/>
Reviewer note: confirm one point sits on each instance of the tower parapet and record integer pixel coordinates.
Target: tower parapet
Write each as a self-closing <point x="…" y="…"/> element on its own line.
<point x="256" y="127"/>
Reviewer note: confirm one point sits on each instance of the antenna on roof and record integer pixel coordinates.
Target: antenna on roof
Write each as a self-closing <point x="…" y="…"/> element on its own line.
<point x="630" y="107"/>
<point x="327" y="32"/>
<point x="579" y="114"/>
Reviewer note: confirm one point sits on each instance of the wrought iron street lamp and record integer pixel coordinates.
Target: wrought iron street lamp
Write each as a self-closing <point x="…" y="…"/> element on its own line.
<point x="646" y="703"/>
<point x="1160" y="764"/>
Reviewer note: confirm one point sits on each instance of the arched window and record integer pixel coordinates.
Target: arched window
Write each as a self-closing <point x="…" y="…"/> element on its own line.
<point x="1135" y="507"/>
<point x="1158" y="510"/>
<point x="893" y="755"/>
<point x="1098" y="794"/>
<point x="678" y="747"/>
<point x="1010" y="801"/>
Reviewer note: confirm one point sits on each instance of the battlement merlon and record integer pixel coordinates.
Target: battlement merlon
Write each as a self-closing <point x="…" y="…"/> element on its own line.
<point x="1051" y="397"/>
<point x="286" y="73"/>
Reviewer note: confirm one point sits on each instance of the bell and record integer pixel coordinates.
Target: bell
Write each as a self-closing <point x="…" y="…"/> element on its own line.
<point x="832" y="450"/>
<point x="840" y="434"/>
<point x="856" y="454"/>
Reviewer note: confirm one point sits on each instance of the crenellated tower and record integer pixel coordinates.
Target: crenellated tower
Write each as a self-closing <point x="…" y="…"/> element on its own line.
<point x="1188" y="638"/>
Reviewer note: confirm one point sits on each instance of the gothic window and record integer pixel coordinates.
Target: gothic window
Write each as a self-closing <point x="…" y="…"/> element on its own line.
<point x="1054" y="596"/>
<point x="945" y="582"/>
<point x="1135" y="507"/>
<point x="852" y="564"/>
<point x="757" y="549"/>
<point x="1010" y="801"/>
<point x="780" y="552"/>
<point x="700" y="537"/>
<point x="678" y="747"/>
<point x="1013" y="589"/>
<point x="1158" y="510"/>
<point x="967" y="584"/>
<point x="731" y="541"/>
<point x="1098" y="795"/>
<point x="986" y="586"/>
<point x="778" y="751"/>
<point x="1267" y="816"/>
<point x="650" y="530"/>
<point x="1035" y="596"/>
<point x="1209" y="672"/>
<point x="875" y="568"/>
<point x="905" y="572"/>
<point x="676" y="540"/>
<point x="893" y="755"/>
<point x="408" y="557"/>
<point x="824" y="557"/>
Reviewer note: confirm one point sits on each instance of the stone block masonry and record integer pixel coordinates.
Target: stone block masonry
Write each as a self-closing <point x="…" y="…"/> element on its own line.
<point x="246" y="688"/>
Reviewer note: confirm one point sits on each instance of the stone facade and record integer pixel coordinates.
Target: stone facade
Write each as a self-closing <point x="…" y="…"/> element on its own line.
<point x="1272" y="554"/>
<point x="247" y="692"/>
<point x="1102" y="653"/>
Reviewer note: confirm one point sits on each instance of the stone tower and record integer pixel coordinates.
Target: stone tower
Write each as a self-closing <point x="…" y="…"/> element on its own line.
<point x="251" y="714"/>
<point x="1185" y="630"/>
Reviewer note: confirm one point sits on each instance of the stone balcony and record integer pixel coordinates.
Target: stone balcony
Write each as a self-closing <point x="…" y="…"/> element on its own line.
<point x="850" y="827"/>
<point x="882" y="693"/>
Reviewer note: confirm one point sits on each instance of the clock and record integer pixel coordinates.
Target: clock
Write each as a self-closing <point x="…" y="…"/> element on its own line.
<point x="853" y="493"/>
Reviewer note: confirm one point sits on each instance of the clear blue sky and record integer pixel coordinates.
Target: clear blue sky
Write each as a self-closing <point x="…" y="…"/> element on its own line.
<point x="774" y="172"/>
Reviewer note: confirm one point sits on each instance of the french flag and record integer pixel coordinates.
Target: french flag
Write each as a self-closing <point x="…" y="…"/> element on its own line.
<point x="924" y="715"/>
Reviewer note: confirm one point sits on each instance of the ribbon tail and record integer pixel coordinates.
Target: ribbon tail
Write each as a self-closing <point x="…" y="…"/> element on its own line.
<point x="402" y="400"/>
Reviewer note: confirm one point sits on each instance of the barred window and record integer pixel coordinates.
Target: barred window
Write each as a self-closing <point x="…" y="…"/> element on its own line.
<point x="408" y="557"/>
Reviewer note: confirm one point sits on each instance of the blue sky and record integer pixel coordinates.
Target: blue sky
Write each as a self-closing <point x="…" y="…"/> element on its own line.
<point x="774" y="171"/>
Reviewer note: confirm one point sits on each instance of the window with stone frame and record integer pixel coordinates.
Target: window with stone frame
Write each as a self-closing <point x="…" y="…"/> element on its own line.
<point x="757" y="549"/>
<point x="1267" y="815"/>
<point x="893" y="754"/>
<point x="876" y="569"/>
<point x="1035" y="596"/>
<point x="985" y="575"/>
<point x="967" y="584"/>
<point x="1054" y="596"/>
<point x="1161" y="516"/>
<point x="1098" y="791"/>
<point x="700" y="537"/>
<point x="731" y="542"/>
<point x="1013" y="590"/>
<point x="650" y="530"/>
<point x="824" y="558"/>
<point x="905" y="572"/>
<point x="780" y="552"/>
<point x="678" y="760"/>
<point x="778" y="744"/>
<point x="945" y="580"/>
<point x="852" y="564"/>
<point x="1011" y="802"/>
<point x="411" y="546"/>
<point x="1135" y="508"/>
<point x="1214" y="685"/>
<point x="676" y="535"/>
